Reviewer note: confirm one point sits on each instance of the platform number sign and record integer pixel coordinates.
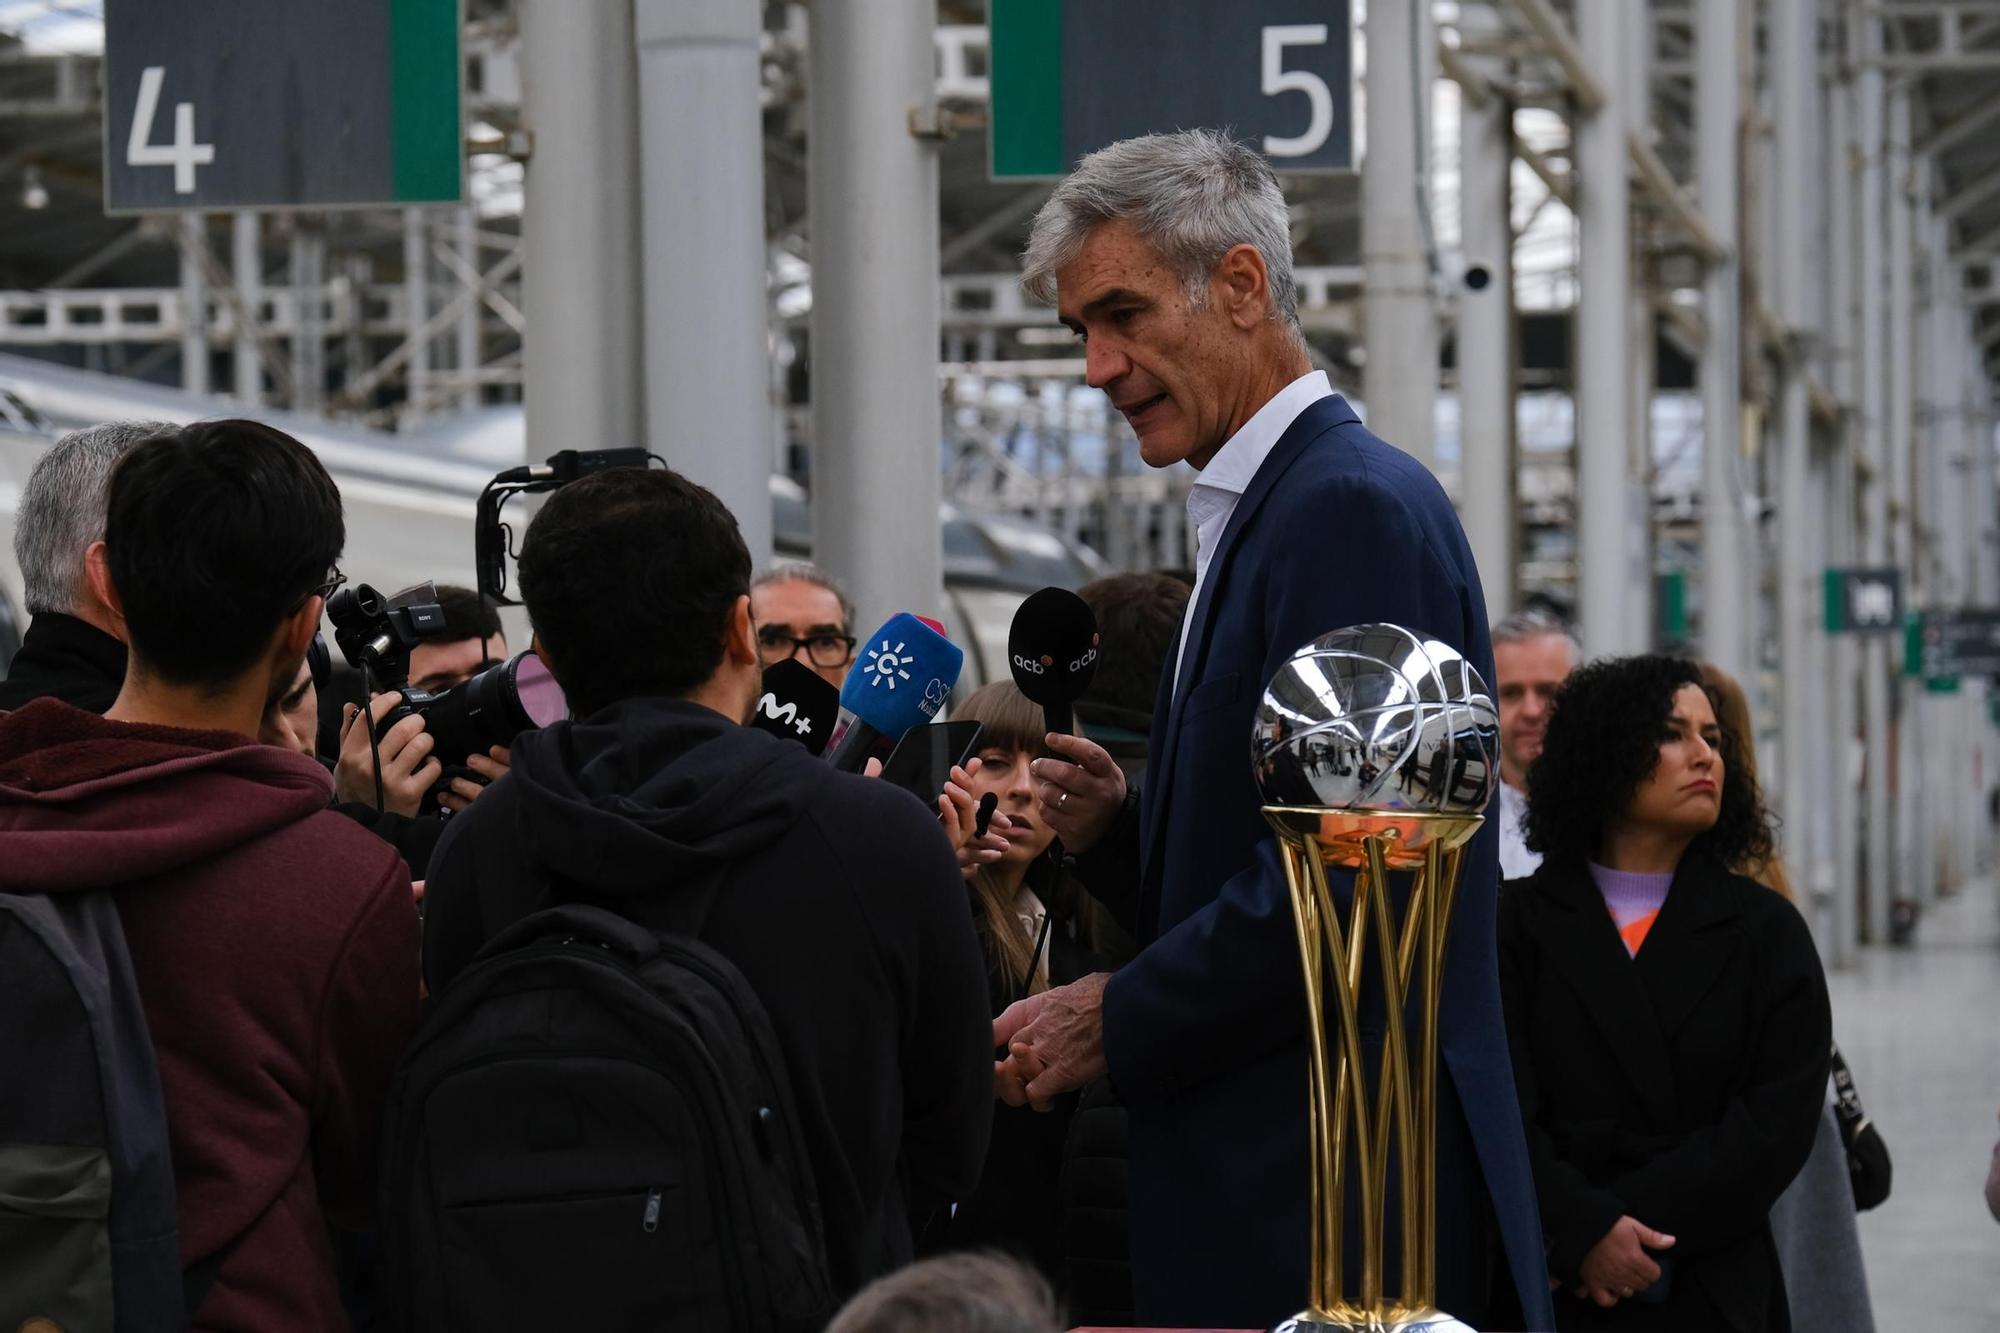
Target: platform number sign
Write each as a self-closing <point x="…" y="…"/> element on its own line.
<point x="221" y="104"/>
<point x="1070" y="76"/>
<point x="183" y="154"/>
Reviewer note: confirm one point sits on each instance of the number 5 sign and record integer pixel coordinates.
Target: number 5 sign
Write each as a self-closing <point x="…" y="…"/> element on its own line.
<point x="1070" y="76"/>
<point x="218" y="104"/>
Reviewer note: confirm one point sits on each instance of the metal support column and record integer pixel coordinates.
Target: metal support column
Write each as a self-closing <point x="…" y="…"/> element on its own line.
<point x="1634" y="95"/>
<point x="1484" y="339"/>
<point x="1840" y="541"/>
<point x="194" y="303"/>
<point x="701" y="145"/>
<point x="1871" y="197"/>
<point x="1899" y="348"/>
<point x="1603" y="329"/>
<point x="1793" y="67"/>
<point x="1726" y="576"/>
<point x="246" y="264"/>
<point x="875" y="402"/>
<point x="1400" y="376"/>
<point x="308" y="275"/>
<point x="417" y="312"/>
<point x="465" y="239"/>
<point x="580" y="227"/>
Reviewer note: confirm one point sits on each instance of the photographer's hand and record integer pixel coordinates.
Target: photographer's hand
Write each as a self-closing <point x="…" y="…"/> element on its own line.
<point x="408" y="771"/>
<point x="462" y="792"/>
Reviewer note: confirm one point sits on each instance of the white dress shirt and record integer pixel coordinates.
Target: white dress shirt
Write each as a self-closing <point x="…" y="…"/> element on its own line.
<point x="1516" y="860"/>
<point x="1229" y="473"/>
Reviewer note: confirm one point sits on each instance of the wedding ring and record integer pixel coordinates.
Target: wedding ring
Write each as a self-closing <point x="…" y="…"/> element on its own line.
<point x="1062" y="800"/>
<point x="1626" y="1292"/>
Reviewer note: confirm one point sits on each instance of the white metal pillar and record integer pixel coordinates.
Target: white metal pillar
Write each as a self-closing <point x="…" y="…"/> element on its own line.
<point x="247" y="268"/>
<point x="701" y="142"/>
<point x="1603" y="334"/>
<point x="875" y="402"/>
<point x="308" y="276"/>
<point x="1839" y="538"/>
<point x="1400" y="375"/>
<point x="1727" y="576"/>
<point x="194" y="303"/>
<point x="580" y="225"/>
<point x="417" y="311"/>
<point x="465" y="239"/>
<point x="1484" y="341"/>
<point x="1899" y="355"/>
<point x="1871" y="370"/>
<point x="1793" y="68"/>
<point x="1634" y="95"/>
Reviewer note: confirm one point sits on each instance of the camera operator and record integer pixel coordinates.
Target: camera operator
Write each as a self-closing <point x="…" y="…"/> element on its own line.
<point x="835" y="897"/>
<point x="473" y="641"/>
<point x="74" y="649"/>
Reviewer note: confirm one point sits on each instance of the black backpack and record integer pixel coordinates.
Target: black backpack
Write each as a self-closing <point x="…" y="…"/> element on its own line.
<point x="88" y="1237"/>
<point x="594" y="1129"/>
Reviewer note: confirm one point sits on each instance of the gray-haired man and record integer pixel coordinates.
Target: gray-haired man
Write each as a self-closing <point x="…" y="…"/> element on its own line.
<point x="1532" y="656"/>
<point x="1170" y="256"/>
<point x="74" y="649"/>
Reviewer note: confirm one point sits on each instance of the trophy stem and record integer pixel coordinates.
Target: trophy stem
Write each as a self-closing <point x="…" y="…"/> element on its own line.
<point x="1324" y="1121"/>
<point x="1393" y="1088"/>
<point x="1333" y="948"/>
<point x="1349" y="947"/>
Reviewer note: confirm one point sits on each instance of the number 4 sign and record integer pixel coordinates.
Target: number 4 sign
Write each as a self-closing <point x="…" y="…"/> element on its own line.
<point x="183" y="154"/>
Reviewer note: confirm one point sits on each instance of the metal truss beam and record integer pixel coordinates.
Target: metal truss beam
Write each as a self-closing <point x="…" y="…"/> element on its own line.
<point x="1964" y="126"/>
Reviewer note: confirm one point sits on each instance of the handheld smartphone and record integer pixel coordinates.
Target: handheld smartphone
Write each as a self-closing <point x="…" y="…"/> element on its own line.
<point x="922" y="761"/>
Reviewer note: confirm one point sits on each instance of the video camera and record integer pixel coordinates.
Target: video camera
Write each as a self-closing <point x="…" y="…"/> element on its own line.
<point x="377" y="634"/>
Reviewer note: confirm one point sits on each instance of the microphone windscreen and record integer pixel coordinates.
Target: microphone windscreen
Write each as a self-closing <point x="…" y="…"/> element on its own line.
<point x="797" y="705"/>
<point x="1052" y="646"/>
<point x="903" y="675"/>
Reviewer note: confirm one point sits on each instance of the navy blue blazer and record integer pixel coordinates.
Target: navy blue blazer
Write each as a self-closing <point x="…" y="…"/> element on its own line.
<point x="1204" y="1030"/>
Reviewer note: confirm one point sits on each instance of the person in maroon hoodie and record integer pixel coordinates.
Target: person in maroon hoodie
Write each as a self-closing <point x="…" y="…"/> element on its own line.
<point x="275" y="943"/>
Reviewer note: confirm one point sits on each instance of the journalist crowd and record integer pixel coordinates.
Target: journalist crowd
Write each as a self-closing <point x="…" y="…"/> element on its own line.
<point x="344" y="990"/>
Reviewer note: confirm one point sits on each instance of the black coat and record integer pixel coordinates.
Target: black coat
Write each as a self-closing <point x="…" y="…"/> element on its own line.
<point x="1682" y="1087"/>
<point x="64" y="658"/>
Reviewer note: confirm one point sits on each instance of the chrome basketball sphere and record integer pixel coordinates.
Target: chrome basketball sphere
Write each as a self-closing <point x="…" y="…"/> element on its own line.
<point x="1377" y="717"/>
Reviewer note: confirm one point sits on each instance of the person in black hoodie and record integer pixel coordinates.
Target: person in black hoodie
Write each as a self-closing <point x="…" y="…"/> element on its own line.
<point x="73" y="650"/>
<point x="840" y="899"/>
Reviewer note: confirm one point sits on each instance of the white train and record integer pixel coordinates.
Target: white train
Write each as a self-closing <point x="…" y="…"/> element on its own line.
<point x="409" y="501"/>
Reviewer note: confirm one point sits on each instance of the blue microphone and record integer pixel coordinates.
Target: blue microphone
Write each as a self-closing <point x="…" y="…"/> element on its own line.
<point x="900" y="679"/>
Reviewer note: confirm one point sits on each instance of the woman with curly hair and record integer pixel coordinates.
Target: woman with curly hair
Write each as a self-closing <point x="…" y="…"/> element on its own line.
<point x="1668" y="1017"/>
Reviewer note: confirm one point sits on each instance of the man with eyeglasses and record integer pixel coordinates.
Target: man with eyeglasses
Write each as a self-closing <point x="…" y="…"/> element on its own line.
<point x="802" y="612"/>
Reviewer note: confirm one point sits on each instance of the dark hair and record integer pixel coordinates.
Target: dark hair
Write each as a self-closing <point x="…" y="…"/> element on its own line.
<point x="1139" y="618"/>
<point x="629" y="577"/>
<point x="1603" y="740"/>
<point x="467" y="615"/>
<point x="214" y="533"/>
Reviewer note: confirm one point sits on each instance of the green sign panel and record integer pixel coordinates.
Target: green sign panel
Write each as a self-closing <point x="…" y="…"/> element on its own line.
<point x="1864" y="601"/>
<point x="1070" y="76"/>
<point x="223" y="104"/>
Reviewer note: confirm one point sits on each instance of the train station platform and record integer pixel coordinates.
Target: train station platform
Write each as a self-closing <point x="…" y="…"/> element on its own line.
<point x="1918" y="1027"/>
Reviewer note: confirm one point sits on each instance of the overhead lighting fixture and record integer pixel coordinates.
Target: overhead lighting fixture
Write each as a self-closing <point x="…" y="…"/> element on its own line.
<point x="34" y="194"/>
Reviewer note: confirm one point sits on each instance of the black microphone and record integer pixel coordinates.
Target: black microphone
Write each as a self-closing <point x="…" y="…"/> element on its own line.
<point x="1052" y="647"/>
<point x="797" y="705"/>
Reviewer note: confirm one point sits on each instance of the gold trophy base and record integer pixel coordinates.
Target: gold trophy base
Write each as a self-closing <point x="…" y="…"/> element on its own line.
<point x="1350" y="1320"/>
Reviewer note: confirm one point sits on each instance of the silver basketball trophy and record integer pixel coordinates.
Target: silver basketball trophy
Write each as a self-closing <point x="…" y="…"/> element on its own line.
<point x="1376" y="751"/>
